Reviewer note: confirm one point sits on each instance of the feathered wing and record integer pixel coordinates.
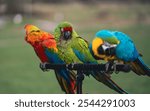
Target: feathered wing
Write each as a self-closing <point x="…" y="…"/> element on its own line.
<point x="137" y="64"/>
<point x="83" y="53"/>
<point x="67" y="88"/>
<point x="67" y="78"/>
<point x="139" y="67"/>
<point x="106" y="80"/>
<point x="60" y="81"/>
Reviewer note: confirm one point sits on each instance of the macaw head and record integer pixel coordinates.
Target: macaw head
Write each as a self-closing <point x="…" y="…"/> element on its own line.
<point x="101" y="49"/>
<point x="30" y="28"/>
<point x="31" y="38"/>
<point x="35" y="36"/>
<point x="64" y="31"/>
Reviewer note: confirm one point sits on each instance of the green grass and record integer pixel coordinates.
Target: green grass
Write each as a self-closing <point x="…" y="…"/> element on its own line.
<point x="19" y="66"/>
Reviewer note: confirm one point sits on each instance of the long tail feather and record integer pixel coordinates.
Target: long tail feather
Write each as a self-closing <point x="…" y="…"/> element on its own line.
<point x="108" y="82"/>
<point x="67" y="87"/>
<point x="139" y="67"/>
<point x="59" y="79"/>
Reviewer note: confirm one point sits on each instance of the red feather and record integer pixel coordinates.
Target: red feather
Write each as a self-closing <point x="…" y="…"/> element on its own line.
<point x="68" y="29"/>
<point x="40" y="52"/>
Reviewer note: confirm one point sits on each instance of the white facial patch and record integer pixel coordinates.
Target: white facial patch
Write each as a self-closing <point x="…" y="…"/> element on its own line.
<point x="62" y="29"/>
<point x="106" y="45"/>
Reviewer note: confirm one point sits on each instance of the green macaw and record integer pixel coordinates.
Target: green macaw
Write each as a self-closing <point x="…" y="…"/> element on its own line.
<point x="68" y="41"/>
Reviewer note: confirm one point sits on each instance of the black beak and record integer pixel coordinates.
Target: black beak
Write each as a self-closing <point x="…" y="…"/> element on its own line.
<point x="67" y="35"/>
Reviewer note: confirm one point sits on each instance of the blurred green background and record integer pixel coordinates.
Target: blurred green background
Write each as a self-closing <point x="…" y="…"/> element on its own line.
<point x="19" y="66"/>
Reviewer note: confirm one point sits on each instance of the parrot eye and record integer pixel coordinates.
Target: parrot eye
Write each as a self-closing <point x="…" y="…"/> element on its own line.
<point x="37" y="30"/>
<point x="101" y="50"/>
<point x="61" y="29"/>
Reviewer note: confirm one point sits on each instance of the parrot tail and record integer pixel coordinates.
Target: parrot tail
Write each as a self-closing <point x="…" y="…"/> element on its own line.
<point x="67" y="87"/>
<point x="105" y="79"/>
<point x="139" y="67"/>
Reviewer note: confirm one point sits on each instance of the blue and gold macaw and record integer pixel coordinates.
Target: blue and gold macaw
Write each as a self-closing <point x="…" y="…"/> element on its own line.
<point x="113" y="45"/>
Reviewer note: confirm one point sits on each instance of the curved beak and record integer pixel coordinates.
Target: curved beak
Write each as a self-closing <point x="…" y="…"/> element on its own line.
<point x="107" y="49"/>
<point x="67" y="35"/>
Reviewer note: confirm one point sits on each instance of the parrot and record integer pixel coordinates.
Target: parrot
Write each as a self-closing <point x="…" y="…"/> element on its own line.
<point x="42" y="41"/>
<point x="68" y="39"/>
<point x="118" y="46"/>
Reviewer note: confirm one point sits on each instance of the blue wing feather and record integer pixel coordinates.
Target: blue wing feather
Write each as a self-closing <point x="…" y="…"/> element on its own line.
<point x="107" y="36"/>
<point x="53" y="58"/>
<point x="126" y="49"/>
<point x="80" y="55"/>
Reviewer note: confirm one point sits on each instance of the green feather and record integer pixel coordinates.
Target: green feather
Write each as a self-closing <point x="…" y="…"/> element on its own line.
<point x="111" y="40"/>
<point x="67" y="55"/>
<point x="81" y="46"/>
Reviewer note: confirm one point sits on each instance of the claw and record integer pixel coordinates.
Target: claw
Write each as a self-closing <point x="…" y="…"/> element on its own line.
<point x="43" y="66"/>
<point x="115" y="68"/>
<point x="109" y="65"/>
<point x="72" y="65"/>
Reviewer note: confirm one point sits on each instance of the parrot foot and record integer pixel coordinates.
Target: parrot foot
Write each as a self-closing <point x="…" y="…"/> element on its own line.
<point x="43" y="66"/>
<point x="72" y="65"/>
<point x="115" y="68"/>
<point x="67" y="67"/>
<point x="108" y="66"/>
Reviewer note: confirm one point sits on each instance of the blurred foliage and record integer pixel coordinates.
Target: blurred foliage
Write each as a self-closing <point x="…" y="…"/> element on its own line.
<point x="16" y="6"/>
